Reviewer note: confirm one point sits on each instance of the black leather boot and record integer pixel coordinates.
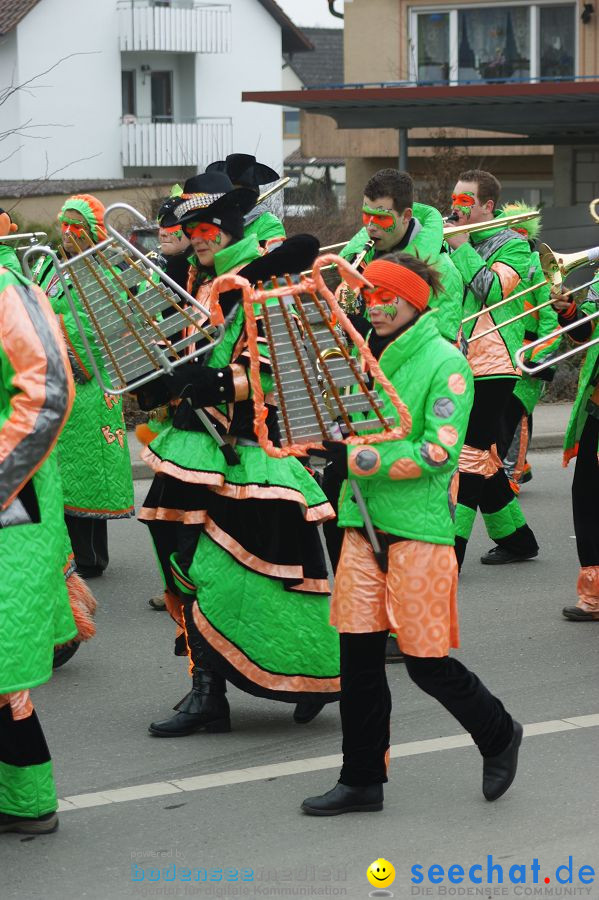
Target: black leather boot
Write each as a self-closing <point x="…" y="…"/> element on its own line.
<point x="205" y="708"/>
<point x="345" y="798"/>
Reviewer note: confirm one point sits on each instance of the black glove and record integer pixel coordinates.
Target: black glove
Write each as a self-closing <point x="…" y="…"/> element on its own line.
<point x="203" y="385"/>
<point x="547" y="374"/>
<point x="336" y="454"/>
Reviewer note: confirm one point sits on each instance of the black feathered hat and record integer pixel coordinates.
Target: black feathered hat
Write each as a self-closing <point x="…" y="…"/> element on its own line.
<point x="244" y="171"/>
<point x="212" y="198"/>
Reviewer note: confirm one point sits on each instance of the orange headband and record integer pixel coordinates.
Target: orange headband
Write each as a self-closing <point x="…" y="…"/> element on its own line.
<point x="401" y="281"/>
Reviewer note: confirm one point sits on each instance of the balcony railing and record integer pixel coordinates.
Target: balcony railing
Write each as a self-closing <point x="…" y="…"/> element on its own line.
<point x="194" y="143"/>
<point x="174" y="27"/>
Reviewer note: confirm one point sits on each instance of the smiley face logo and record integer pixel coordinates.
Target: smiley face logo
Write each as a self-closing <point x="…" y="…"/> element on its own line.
<point x="380" y="873"/>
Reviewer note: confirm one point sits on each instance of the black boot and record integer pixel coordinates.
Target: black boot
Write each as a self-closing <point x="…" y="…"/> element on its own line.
<point x="205" y="708"/>
<point x="306" y="710"/>
<point x="345" y="798"/>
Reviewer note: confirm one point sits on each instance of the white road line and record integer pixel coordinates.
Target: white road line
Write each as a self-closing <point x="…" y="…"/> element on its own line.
<point x="297" y="767"/>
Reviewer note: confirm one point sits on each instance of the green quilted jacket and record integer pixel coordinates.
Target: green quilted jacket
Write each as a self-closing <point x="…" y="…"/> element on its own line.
<point x="264" y="224"/>
<point x="427" y="242"/>
<point x="539" y="323"/>
<point x="409" y="485"/>
<point x="588" y="379"/>
<point x="494" y="263"/>
<point x="36" y="392"/>
<point x="93" y="453"/>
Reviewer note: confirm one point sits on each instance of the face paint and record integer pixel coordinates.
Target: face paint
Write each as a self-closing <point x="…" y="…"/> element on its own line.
<point x="379" y="297"/>
<point x="385" y="219"/>
<point x="175" y="230"/>
<point x="206" y="231"/>
<point x="463" y="203"/>
<point x="74" y="228"/>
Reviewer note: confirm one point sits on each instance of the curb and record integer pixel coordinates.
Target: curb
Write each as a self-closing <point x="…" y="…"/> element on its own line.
<point x="548" y="441"/>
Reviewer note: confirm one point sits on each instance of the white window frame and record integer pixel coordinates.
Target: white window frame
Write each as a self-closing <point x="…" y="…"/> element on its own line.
<point x="452" y="9"/>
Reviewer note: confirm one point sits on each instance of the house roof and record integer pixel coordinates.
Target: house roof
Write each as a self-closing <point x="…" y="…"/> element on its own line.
<point x="563" y="112"/>
<point x="294" y="39"/>
<point x="12" y="11"/>
<point x="324" y="65"/>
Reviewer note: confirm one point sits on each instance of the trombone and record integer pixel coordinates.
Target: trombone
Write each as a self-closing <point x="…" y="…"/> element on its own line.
<point x="554" y="360"/>
<point x="556" y="268"/>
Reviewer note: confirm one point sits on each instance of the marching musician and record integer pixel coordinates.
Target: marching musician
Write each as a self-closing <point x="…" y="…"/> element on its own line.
<point x="244" y="564"/>
<point x="394" y="222"/>
<point x="493" y="263"/>
<point x="582" y="442"/>
<point x="36" y="394"/>
<point x="245" y="172"/>
<point x="516" y="426"/>
<point x="93" y="454"/>
<point x="409" y="489"/>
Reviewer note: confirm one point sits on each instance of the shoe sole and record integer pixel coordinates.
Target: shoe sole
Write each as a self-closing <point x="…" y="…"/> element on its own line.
<point x="370" y="807"/>
<point x="511" y="781"/>
<point x="571" y="617"/>
<point x="506" y="562"/>
<point x="222" y="726"/>
<point x="33" y="827"/>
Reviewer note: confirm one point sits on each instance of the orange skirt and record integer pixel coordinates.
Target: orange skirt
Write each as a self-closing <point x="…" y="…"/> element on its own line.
<point x="416" y="598"/>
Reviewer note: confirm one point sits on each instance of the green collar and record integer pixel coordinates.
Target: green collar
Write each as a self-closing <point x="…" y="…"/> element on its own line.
<point x="479" y="236"/>
<point x="233" y="256"/>
<point x="409" y="343"/>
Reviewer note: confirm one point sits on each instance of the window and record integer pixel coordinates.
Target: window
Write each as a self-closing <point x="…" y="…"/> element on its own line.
<point x="557" y="41"/>
<point x="291" y="123"/>
<point x="162" y="96"/>
<point x="128" y="92"/>
<point x="504" y="42"/>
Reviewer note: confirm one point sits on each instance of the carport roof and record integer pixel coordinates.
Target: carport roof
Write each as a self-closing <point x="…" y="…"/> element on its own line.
<point x="565" y="112"/>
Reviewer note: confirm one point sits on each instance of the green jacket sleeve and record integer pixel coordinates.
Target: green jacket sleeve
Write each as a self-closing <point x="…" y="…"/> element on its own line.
<point x="437" y="448"/>
<point x="491" y="283"/>
<point x="355" y="245"/>
<point x="9" y="259"/>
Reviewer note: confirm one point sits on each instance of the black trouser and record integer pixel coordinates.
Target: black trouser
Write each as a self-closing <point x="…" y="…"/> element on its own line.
<point x="490" y="495"/>
<point x="585" y="495"/>
<point x="25" y="786"/>
<point x="366" y="705"/>
<point x="333" y="534"/>
<point x="89" y="539"/>
<point x="512" y="415"/>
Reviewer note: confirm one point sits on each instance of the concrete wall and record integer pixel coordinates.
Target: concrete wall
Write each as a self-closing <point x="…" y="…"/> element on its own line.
<point x="43" y="210"/>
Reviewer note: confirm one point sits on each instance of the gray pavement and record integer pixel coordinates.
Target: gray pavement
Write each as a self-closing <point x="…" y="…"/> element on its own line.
<point x="550" y="421"/>
<point x="96" y="710"/>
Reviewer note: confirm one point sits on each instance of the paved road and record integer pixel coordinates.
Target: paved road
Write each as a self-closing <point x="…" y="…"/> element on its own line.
<point x="241" y="808"/>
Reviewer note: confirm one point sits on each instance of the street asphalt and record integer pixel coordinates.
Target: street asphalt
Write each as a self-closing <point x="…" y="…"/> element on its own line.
<point x="246" y="820"/>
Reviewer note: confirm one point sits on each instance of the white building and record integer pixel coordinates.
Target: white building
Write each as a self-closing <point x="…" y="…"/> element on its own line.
<point x="113" y="89"/>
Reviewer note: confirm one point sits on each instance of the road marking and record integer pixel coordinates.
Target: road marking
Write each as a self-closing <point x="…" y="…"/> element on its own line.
<point x="298" y="767"/>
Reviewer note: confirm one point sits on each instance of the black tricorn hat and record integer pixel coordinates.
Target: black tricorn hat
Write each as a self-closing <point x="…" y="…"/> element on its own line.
<point x="212" y="198"/>
<point x="244" y="171"/>
<point x="166" y="212"/>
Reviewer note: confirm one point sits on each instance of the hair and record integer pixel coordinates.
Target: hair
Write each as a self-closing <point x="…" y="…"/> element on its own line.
<point x="489" y="188"/>
<point x="419" y="266"/>
<point x="391" y="183"/>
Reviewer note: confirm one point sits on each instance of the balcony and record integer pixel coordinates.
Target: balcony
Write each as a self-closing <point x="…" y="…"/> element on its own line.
<point x="176" y="26"/>
<point x="195" y="143"/>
